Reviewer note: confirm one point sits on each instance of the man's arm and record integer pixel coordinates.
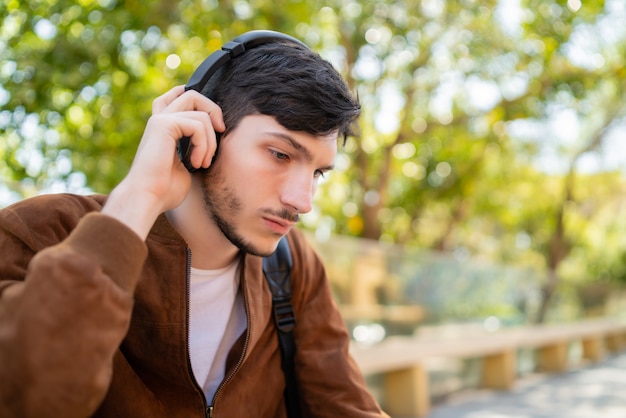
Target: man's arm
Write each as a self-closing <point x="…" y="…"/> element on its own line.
<point x="65" y="308"/>
<point x="60" y="327"/>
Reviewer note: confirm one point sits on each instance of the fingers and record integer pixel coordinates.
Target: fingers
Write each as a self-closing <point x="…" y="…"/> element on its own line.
<point x="161" y="102"/>
<point x="179" y="100"/>
<point x="197" y="126"/>
<point x="193" y="115"/>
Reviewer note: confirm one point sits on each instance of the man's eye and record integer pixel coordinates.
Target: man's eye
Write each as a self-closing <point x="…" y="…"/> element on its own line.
<point x="280" y="155"/>
<point x="319" y="173"/>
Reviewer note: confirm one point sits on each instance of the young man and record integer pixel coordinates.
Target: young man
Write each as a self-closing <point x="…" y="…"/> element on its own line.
<point x="151" y="302"/>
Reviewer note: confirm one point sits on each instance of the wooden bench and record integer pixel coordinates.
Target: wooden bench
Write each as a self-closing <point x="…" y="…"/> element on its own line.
<point x="401" y="360"/>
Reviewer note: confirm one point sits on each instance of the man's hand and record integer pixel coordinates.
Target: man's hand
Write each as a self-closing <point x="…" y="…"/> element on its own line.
<point x="158" y="180"/>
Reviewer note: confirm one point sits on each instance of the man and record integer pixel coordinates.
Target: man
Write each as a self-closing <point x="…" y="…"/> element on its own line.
<point x="151" y="302"/>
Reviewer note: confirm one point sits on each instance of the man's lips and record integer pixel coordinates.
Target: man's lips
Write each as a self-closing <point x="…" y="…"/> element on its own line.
<point x="279" y="225"/>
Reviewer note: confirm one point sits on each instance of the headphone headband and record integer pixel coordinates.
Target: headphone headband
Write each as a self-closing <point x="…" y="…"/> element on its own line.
<point x="231" y="50"/>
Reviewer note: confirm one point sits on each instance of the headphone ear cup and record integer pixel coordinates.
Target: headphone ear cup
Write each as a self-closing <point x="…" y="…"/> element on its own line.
<point x="184" y="148"/>
<point x="218" y="136"/>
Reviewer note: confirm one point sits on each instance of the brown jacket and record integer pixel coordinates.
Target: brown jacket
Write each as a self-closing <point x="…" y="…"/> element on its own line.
<point x="93" y="322"/>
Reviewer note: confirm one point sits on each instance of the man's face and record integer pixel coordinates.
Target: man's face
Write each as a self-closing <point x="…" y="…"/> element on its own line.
<point x="263" y="179"/>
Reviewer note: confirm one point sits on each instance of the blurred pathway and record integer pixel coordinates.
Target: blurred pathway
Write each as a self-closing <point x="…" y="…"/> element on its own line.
<point x="595" y="391"/>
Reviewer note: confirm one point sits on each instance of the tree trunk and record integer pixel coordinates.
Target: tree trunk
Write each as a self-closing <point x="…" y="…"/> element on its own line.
<point x="547" y="294"/>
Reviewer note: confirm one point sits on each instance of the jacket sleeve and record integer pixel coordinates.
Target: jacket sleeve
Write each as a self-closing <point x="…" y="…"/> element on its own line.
<point x="330" y="382"/>
<point x="64" y="310"/>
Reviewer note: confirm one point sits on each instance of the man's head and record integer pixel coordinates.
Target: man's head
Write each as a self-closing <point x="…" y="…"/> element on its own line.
<point x="284" y="108"/>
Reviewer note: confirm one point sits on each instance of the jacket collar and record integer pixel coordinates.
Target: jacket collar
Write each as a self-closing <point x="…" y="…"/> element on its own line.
<point x="257" y="298"/>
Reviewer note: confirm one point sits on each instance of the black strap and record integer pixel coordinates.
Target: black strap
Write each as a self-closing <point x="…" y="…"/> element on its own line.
<point x="277" y="269"/>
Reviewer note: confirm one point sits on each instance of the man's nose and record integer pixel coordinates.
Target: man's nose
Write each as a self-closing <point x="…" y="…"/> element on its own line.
<point x="298" y="192"/>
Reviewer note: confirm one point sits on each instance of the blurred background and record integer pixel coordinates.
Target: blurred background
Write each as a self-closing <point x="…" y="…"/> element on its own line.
<point x="486" y="187"/>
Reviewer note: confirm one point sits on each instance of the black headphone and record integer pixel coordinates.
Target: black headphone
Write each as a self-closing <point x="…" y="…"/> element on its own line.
<point x="213" y="62"/>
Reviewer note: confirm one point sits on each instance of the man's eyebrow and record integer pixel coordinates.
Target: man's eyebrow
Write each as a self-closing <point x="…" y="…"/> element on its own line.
<point x="293" y="143"/>
<point x="298" y="147"/>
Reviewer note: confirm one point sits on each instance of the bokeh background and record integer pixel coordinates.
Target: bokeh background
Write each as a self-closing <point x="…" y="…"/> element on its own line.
<point x="486" y="185"/>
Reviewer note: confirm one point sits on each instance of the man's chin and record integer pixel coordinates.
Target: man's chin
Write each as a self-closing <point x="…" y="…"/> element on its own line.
<point x="263" y="248"/>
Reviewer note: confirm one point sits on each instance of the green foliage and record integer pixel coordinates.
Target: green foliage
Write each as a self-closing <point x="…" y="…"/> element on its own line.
<point x="457" y="111"/>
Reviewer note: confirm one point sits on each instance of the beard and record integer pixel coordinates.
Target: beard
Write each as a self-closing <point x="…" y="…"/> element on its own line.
<point x="222" y="205"/>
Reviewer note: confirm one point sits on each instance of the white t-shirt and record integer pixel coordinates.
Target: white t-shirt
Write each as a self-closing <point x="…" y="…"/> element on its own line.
<point x="217" y="318"/>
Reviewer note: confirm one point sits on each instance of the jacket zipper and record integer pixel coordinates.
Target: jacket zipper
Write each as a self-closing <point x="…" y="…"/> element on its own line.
<point x="211" y="408"/>
<point x="207" y="411"/>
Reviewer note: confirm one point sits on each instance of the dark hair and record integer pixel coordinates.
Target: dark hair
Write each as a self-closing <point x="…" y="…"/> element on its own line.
<point x="288" y="81"/>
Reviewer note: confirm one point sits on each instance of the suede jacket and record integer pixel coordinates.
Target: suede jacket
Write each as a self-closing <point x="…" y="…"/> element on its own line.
<point x="94" y="322"/>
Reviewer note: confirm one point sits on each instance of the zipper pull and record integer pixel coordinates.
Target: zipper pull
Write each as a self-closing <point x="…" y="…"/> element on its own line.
<point x="209" y="412"/>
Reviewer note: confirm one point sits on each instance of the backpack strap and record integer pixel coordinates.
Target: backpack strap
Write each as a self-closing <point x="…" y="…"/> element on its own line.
<point x="277" y="270"/>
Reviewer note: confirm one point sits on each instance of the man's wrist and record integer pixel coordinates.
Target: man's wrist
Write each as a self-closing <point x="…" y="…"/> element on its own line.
<point x="135" y="210"/>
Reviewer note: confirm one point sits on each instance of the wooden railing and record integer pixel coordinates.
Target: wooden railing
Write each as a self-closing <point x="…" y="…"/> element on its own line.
<point x="401" y="360"/>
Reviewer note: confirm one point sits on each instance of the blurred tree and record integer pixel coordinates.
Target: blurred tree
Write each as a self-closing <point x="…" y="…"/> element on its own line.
<point x="463" y="104"/>
<point x="443" y="83"/>
<point x="590" y="87"/>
